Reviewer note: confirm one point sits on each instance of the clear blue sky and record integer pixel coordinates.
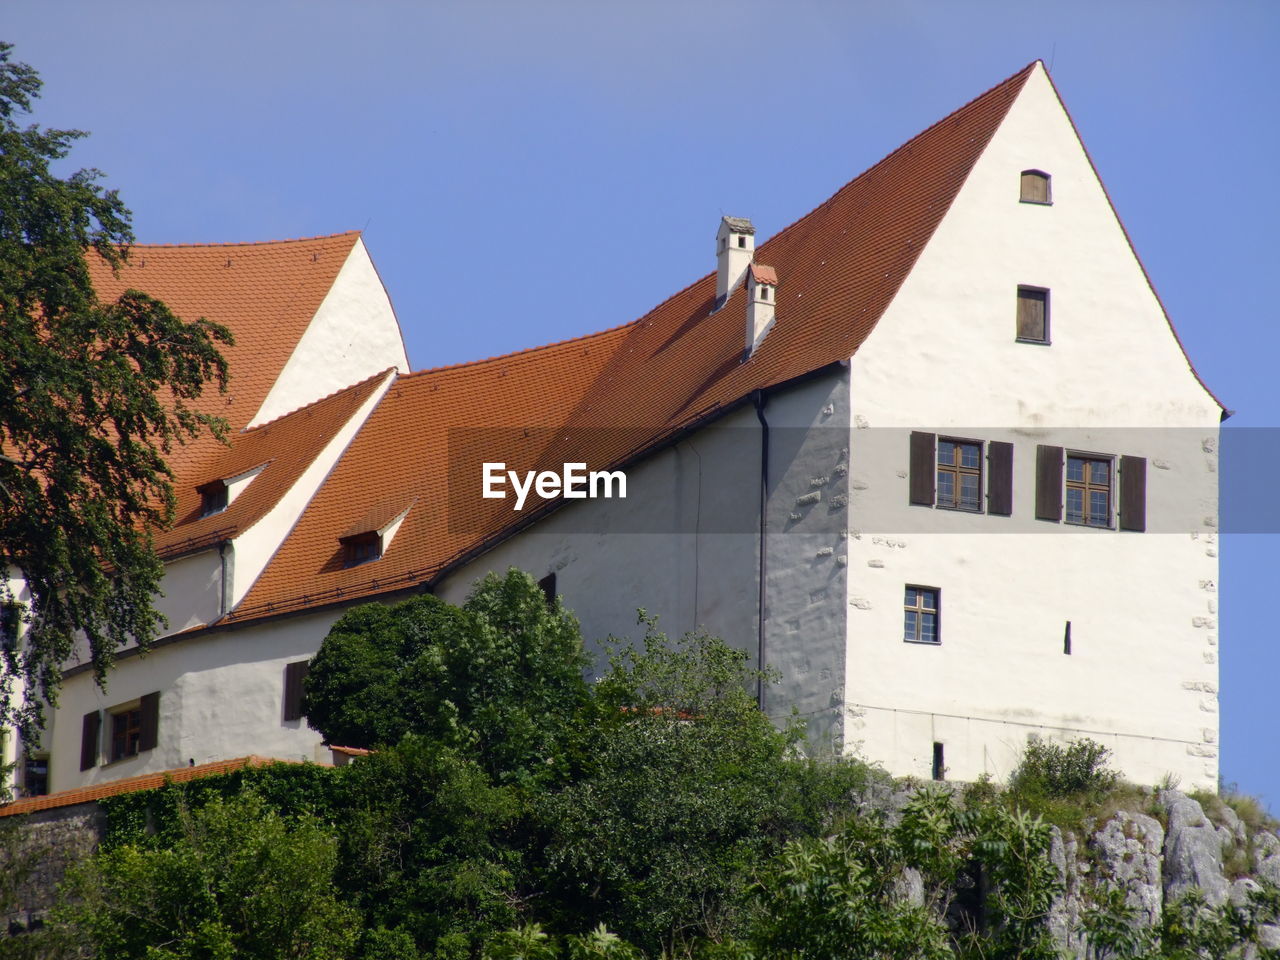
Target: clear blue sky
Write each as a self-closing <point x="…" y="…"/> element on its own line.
<point x="526" y="172"/>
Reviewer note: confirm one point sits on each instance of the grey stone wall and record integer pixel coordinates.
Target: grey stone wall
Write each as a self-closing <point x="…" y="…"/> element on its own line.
<point x="38" y="849"/>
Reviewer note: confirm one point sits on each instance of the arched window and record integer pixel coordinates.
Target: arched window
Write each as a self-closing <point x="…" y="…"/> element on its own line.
<point x="1035" y="187"/>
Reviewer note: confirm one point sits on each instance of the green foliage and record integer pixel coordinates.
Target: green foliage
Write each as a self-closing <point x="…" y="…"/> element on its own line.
<point x="1063" y="783"/>
<point x="499" y="679"/>
<point x="241" y="882"/>
<point x="93" y="396"/>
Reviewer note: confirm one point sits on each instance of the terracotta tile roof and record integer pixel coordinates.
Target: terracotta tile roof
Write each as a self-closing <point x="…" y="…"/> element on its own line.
<point x="378" y="517"/>
<point x="147" y="781"/>
<point x="762" y="274"/>
<point x="287" y="446"/>
<point x="404" y="452"/>
<point x="642" y="383"/>
<point x="351" y="751"/>
<point x="266" y="293"/>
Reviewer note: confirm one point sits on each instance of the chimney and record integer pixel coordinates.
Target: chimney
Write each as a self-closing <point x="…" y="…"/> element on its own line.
<point x="735" y="246"/>
<point x="762" y="295"/>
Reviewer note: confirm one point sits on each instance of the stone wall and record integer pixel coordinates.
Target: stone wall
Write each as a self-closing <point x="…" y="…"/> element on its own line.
<point x="38" y="849"/>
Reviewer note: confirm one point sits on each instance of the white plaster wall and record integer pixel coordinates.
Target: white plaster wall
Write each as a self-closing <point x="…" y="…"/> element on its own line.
<point x="191" y="591"/>
<point x="353" y="335"/>
<point x="1142" y="677"/>
<point x="255" y="547"/>
<point x="221" y="696"/>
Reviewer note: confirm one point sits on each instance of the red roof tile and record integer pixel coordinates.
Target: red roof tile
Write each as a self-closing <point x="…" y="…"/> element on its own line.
<point x="762" y="274"/>
<point x="147" y="781"/>
<point x="267" y="293"/>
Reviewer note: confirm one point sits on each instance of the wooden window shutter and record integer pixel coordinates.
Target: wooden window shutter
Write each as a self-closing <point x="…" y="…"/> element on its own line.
<point x="1133" y="493"/>
<point x="1033" y="314"/>
<point x="923" y="450"/>
<point x="89" y="732"/>
<point x="294" y="675"/>
<point x="149" y="725"/>
<point x="1035" y="186"/>
<point x="1048" y="483"/>
<point x="1000" y="478"/>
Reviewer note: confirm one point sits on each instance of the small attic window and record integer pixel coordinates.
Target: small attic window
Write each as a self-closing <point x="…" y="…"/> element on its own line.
<point x="213" y="498"/>
<point x="742" y="240"/>
<point x="361" y="548"/>
<point x="1035" y="187"/>
<point x="764" y="292"/>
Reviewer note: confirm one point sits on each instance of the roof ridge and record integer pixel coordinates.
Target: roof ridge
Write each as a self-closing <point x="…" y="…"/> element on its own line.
<point x="519" y="353"/>
<point x="1023" y="73"/>
<point x="244" y="243"/>
<point x="319" y="400"/>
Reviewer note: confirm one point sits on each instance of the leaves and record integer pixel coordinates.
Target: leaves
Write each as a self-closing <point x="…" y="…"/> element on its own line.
<point x="93" y="396"/>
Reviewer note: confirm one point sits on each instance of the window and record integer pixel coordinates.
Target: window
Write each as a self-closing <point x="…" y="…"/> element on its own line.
<point x="1089" y="487"/>
<point x="213" y="498"/>
<point x="361" y="548"/>
<point x="548" y="587"/>
<point x="126" y="733"/>
<point x="939" y="762"/>
<point x="1033" y="315"/>
<point x="921" y="623"/>
<point x="35" y="776"/>
<point x="742" y="241"/>
<point x="950" y="473"/>
<point x="1035" y="187"/>
<point x="959" y="475"/>
<point x="1089" y="491"/>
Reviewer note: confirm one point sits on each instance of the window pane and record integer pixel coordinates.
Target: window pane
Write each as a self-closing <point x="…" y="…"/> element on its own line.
<point x="1075" y="469"/>
<point x="946" y="487"/>
<point x="1075" y="505"/>
<point x="929" y="599"/>
<point x="929" y="627"/>
<point x="946" y="451"/>
<point x="910" y="630"/>
<point x="969" y="455"/>
<point x="1101" y="471"/>
<point x="969" y="491"/>
<point x="911" y="596"/>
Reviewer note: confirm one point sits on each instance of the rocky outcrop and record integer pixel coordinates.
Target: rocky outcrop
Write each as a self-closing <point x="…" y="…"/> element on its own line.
<point x="1193" y="850"/>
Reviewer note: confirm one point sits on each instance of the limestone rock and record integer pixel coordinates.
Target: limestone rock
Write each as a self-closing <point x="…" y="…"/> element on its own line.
<point x="1129" y="846"/>
<point x="1266" y="852"/>
<point x="1192" y="851"/>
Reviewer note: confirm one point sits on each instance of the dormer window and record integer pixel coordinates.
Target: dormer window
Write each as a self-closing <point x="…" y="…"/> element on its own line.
<point x="1035" y="187"/>
<point x="361" y="548"/>
<point x="367" y="539"/>
<point x="213" y="498"/>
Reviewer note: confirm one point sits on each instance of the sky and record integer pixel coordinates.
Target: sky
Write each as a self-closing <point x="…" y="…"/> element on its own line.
<point x="529" y="171"/>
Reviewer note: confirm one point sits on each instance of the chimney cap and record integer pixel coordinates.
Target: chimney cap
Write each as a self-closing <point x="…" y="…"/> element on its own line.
<point x="762" y="274"/>
<point x="739" y="224"/>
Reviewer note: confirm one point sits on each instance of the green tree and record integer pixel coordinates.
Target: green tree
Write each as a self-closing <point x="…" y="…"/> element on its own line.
<point x="241" y="883"/>
<point x="499" y="678"/>
<point x="92" y="397"/>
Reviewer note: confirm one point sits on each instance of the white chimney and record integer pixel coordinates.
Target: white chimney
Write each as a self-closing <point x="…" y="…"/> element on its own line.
<point x="762" y="296"/>
<point x="735" y="246"/>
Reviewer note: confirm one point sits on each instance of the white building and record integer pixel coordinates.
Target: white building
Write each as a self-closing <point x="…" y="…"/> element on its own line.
<point x="933" y="452"/>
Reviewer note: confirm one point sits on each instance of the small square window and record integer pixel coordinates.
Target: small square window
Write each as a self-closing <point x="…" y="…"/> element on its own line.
<point x="742" y="241"/>
<point x="1035" y="187"/>
<point x="361" y="548"/>
<point x="921" y="615"/>
<point x="213" y="498"/>
<point x="1033" y="315"/>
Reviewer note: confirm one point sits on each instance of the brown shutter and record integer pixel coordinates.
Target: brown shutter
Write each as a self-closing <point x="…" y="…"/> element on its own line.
<point x="89" y="740"/>
<point x="294" y="674"/>
<point x="1035" y="186"/>
<point x="923" y="448"/>
<point x="1048" y="483"/>
<point x="149" y="722"/>
<point x="1133" y="493"/>
<point x="1033" y="311"/>
<point x="1000" y="478"/>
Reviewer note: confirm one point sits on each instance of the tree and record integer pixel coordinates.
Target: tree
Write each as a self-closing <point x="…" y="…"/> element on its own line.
<point x="93" y="395"/>
<point x="240" y="882"/>
<point x="500" y="678"/>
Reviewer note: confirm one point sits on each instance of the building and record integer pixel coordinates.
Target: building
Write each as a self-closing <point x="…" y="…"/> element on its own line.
<point x="933" y="452"/>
